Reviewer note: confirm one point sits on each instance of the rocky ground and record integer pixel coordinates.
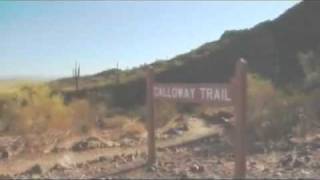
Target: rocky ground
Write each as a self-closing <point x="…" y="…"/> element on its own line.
<point x="182" y="153"/>
<point x="211" y="158"/>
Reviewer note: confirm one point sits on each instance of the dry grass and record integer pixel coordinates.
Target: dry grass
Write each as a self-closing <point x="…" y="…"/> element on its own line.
<point x="82" y="115"/>
<point x="9" y="87"/>
<point x="165" y="112"/>
<point x="133" y="128"/>
<point x="123" y="126"/>
<point x="35" y="109"/>
<point x="116" y="122"/>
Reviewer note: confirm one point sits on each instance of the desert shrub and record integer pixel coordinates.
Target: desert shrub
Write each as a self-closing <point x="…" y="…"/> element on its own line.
<point x="115" y="122"/>
<point x="36" y="109"/>
<point x="311" y="67"/>
<point x="82" y="116"/>
<point x="272" y="114"/>
<point x="7" y="113"/>
<point x="164" y="112"/>
<point x="39" y="109"/>
<point x="309" y="114"/>
<point x="133" y="128"/>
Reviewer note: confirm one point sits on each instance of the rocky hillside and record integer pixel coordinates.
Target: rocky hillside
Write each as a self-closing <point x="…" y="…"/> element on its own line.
<point x="271" y="49"/>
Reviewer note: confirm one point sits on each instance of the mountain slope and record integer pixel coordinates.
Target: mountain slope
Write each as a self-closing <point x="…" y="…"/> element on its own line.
<point x="271" y="49"/>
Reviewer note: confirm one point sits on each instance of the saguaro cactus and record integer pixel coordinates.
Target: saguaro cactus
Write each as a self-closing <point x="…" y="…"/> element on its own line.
<point x="117" y="78"/>
<point x="76" y="75"/>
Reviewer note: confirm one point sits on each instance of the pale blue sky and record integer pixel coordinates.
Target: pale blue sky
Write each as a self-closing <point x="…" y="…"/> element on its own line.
<point x="44" y="39"/>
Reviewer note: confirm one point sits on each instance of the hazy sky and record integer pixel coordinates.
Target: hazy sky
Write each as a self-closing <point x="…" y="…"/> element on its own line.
<point x="44" y="39"/>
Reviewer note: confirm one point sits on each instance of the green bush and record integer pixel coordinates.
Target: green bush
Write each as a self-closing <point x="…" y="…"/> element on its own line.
<point x="272" y="114"/>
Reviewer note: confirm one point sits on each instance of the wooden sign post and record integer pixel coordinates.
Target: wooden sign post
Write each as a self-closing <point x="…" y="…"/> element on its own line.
<point x="150" y="116"/>
<point x="240" y="96"/>
<point x="217" y="94"/>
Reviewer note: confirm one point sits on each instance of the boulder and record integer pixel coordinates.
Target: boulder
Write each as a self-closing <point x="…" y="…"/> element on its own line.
<point x="36" y="169"/>
<point x="195" y="168"/>
<point x="4" y="154"/>
<point x="59" y="167"/>
<point x="90" y="143"/>
<point x="80" y="146"/>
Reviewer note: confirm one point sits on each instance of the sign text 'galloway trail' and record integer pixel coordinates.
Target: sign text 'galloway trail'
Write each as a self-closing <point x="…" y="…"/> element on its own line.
<point x="198" y="93"/>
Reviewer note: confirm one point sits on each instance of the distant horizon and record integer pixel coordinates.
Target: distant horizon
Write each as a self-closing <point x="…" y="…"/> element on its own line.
<point x="29" y="77"/>
<point x="43" y="40"/>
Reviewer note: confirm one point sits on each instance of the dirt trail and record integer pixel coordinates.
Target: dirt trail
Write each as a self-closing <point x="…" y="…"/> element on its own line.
<point x="17" y="165"/>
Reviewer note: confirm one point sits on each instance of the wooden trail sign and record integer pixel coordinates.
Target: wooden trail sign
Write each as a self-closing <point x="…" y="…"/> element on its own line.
<point x="217" y="94"/>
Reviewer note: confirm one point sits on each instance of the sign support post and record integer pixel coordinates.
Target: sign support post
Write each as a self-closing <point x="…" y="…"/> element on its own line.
<point x="240" y="95"/>
<point x="150" y="118"/>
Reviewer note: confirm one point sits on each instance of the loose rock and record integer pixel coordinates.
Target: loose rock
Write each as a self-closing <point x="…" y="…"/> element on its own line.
<point x="195" y="168"/>
<point x="4" y="154"/>
<point x="36" y="169"/>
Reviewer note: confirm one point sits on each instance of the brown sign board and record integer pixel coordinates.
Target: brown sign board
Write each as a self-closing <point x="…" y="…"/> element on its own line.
<point x="216" y="94"/>
<point x="227" y="94"/>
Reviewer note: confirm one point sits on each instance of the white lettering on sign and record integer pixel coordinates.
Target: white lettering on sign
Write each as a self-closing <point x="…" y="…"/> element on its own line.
<point x="214" y="93"/>
<point x="174" y="92"/>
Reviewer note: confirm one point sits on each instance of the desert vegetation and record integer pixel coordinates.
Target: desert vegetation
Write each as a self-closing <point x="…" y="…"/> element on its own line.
<point x="273" y="112"/>
<point x="36" y="109"/>
<point x="33" y="108"/>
